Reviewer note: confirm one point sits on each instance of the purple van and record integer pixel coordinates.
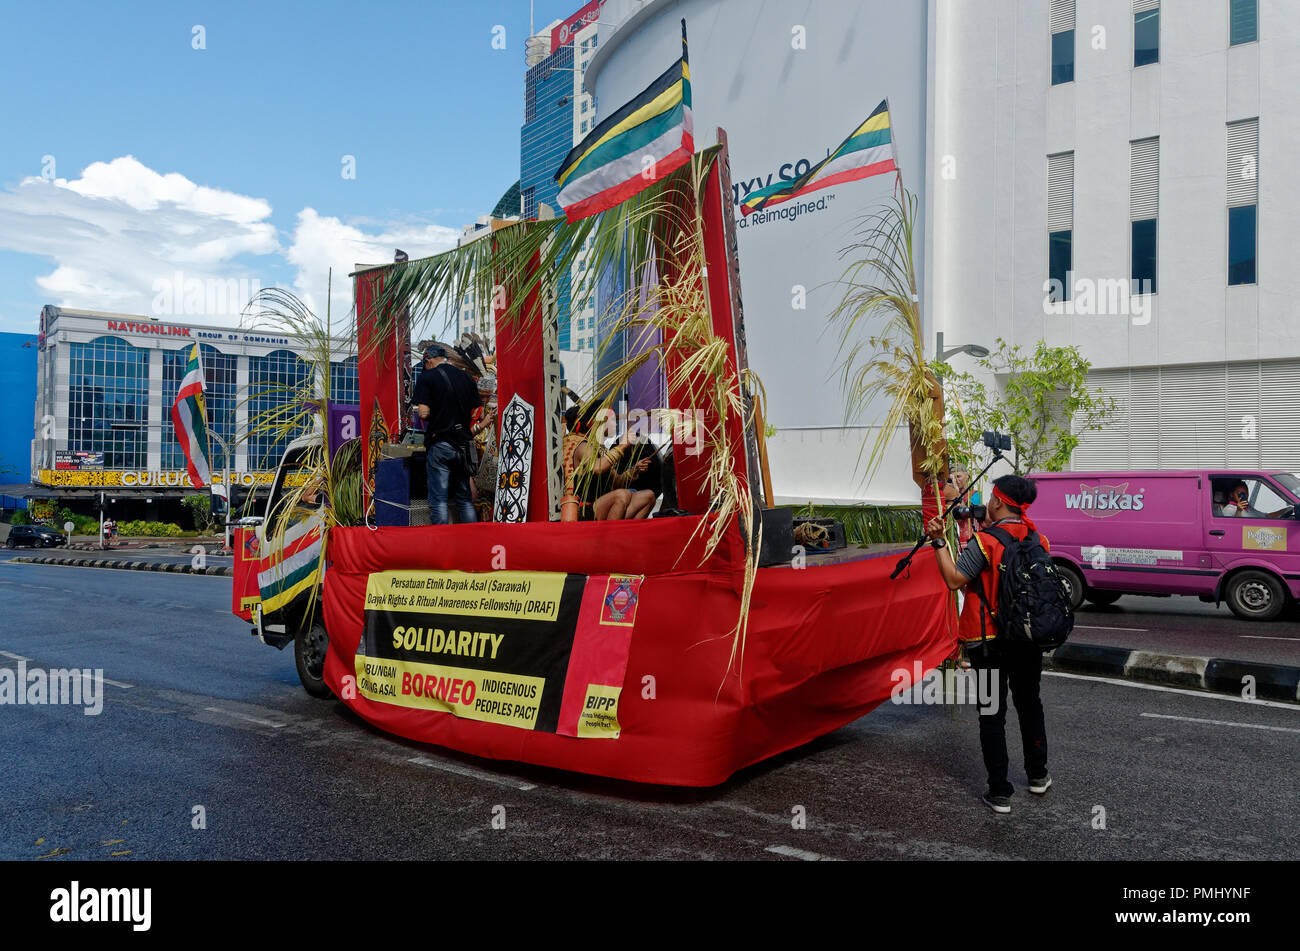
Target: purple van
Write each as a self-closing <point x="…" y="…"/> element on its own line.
<point x="1221" y="534"/>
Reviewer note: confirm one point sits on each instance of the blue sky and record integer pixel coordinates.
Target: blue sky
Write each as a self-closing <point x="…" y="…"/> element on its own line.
<point x="226" y="162"/>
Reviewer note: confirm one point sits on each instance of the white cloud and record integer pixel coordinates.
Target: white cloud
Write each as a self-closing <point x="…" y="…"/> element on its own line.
<point x="321" y="242"/>
<point x="121" y="227"/>
<point x="123" y="237"/>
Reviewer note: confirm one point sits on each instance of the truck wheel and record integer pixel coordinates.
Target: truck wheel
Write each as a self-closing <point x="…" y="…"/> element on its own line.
<point x="1096" y="596"/>
<point x="1255" y="596"/>
<point x="309" y="648"/>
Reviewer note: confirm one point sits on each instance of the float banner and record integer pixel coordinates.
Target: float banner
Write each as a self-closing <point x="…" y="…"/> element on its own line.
<point x="538" y="650"/>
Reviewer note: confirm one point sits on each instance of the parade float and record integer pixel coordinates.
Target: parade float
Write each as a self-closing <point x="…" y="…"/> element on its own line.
<point x="674" y="649"/>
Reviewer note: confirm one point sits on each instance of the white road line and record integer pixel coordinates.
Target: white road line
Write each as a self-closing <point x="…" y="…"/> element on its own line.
<point x="13" y="656"/>
<point x="1098" y="627"/>
<point x="244" y="716"/>
<point x="1265" y="637"/>
<point x="112" y="683"/>
<point x="1248" y="726"/>
<point x="804" y="854"/>
<point x="1203" y="694"/>
<point x="471" y="773"/>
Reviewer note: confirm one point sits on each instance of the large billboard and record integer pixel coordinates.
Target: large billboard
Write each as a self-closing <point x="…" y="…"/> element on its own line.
<point x="789" y="83"/>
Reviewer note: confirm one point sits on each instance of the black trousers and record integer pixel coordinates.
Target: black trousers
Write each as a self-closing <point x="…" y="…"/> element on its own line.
<point x="1019" y="667"/>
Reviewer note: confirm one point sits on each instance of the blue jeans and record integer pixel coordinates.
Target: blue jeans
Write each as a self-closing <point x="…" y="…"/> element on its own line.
<point x="445" y="473"/>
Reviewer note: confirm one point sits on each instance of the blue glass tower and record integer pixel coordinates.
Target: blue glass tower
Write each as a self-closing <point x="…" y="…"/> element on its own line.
<point x="546" y="138"/>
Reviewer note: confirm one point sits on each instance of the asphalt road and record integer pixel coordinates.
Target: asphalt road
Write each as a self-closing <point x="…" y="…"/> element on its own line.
<point x="1191" y="627"/>
<point x="201" y="714"/>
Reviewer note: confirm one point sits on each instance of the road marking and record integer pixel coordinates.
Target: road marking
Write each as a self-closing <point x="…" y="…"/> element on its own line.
<point x="1248" y="726"/>
<point x="1265" y="637"/>
<point x="13" y="656"/>
<point x="1206" y="695"/>
<point x="244" y="716"/>
<point x="113" y="683"/>
<point x="804" y="854"/>
<point x="471" y="773"/>
<point x="1098" y="627"/>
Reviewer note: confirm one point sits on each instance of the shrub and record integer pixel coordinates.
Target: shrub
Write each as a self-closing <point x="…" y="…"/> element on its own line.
<point x="141" y="529"/>
<point x="19" y="518"/>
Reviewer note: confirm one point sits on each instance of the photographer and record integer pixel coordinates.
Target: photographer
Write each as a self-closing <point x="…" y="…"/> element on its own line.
<point x="445" y="396"/>
<point x="1018" y="666"/>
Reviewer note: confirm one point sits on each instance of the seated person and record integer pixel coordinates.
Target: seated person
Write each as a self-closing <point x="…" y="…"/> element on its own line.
<point x="597" y="500"/>
<point x="645" y="470"/>
<point x="1238" y="504"/>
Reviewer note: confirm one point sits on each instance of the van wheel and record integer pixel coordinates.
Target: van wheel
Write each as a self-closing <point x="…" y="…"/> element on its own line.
<point x="309" y="647"/>
<point x="1255" y="596"/>
<point x="1096" y="596"/>
<point x="1073" y="581"/>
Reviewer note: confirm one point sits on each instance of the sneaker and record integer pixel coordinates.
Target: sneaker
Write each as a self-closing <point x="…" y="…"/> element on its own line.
<point x="999" y="804"/>
<point x="1039" y="786"/>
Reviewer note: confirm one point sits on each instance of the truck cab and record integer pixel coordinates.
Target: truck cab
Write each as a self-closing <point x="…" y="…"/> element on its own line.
<point x="279" y="564"/>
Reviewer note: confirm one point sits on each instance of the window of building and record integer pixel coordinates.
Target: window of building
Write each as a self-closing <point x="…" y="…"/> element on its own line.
<point x="108" y="401"/>
<point x="1146" y="32"/>
<point x="1144" y="211"/>
<point x="1243" y="200"/>
<point x="1241" y="244"/>
<point x="584" y="125"/>
<point x="1243" y="21"/>
<point x="1062" y="25"/>
<point x="1144" y="256"/>
<point x="344" y="387"/>
<point x="277" y="383"/>
<point x="220" y="395"/>
<point x="1060" y="226"/>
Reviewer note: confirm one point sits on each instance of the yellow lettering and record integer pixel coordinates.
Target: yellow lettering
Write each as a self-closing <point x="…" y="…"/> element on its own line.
<point x="397" y="637"/>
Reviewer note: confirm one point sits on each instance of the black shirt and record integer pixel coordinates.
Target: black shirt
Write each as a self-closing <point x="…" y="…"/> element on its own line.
<point x="451" y="397"/>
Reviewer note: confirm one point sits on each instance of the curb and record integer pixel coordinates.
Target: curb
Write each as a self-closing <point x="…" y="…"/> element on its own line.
<point x="1217" y="675"/>
<point x="124" y="565"/>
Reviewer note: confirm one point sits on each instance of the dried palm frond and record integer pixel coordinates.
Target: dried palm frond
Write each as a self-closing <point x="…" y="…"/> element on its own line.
<point x="882" y="346"/>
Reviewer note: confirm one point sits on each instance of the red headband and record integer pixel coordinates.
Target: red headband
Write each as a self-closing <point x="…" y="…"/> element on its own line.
<point x="1022" y="506"/>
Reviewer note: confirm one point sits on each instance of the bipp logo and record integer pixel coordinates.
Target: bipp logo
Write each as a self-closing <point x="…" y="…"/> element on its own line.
<point x="1103" y="501"/>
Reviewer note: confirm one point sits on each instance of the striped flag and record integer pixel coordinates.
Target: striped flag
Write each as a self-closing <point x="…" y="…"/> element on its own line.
<point x="189" y="416"/>
<point x="295" y="568"/>
<point x="643" y="142"/>
<point x="869" y="150"/>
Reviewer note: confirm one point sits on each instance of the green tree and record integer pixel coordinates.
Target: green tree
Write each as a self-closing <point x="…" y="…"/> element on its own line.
<point x="200" y="511"/>
<point x="1043" y="403"/>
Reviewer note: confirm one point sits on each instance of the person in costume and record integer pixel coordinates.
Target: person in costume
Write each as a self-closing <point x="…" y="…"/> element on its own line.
<point x="594" y="489"/>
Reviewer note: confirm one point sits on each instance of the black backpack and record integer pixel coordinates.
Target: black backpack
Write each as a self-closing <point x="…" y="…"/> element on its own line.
<point x="1033" y="597"/>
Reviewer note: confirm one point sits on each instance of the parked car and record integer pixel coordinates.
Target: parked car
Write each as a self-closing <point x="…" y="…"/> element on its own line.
<point x="1228" y="535"/>
<point x="34" y="536"/>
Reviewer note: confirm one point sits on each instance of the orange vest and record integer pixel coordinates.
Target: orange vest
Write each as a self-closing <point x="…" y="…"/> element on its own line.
<point x="969" y="627"/>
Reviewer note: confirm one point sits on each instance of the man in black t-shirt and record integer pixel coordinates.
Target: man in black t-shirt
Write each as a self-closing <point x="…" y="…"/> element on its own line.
<point x="445" y="396"/>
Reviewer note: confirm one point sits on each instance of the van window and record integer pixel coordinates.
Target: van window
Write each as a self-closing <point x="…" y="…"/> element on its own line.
<point x="1248" y="498"/>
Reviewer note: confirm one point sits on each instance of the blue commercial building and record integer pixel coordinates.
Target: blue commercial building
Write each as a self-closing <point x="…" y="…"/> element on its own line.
<point x="17" y="420"/>
<point x="544" y="141"/>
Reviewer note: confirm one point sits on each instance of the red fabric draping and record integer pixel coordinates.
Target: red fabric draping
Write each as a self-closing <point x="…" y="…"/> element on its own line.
<point x="821" y="644"/>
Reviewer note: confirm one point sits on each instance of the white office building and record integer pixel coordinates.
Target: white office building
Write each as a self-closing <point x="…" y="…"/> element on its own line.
<point x="1139" y="154"/>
